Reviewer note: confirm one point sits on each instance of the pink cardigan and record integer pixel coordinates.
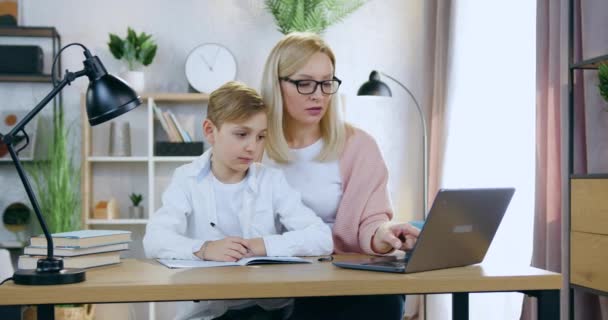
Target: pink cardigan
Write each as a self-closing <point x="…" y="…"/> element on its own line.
<point x="365" y="203"/>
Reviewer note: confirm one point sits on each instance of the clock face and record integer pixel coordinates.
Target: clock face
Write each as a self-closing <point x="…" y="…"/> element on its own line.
<point x="209" y="66"/>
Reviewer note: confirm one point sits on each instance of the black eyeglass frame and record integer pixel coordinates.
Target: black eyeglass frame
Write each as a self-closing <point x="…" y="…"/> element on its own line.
<point x="317" y="84"/>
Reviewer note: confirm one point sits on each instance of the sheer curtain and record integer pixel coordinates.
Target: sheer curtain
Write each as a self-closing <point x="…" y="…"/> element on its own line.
<point x="437" y="15"/>
<point x="551" y="100"/>
<point x="490" y="124"/>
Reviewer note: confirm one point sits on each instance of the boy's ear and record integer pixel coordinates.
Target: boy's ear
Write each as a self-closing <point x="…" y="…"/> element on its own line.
<point x="208" y="131"/>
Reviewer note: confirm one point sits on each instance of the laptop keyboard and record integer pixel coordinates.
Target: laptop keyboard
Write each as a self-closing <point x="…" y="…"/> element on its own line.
<point x="391" y="264"/>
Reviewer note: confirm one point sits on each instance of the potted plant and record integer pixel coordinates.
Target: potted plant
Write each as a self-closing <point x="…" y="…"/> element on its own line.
<point x="57" y="181"/>
<point x="602" y="73"/>
<point x="136" y="50"/>
<point x="136" y="211"/>
<point x="312" y="16"/>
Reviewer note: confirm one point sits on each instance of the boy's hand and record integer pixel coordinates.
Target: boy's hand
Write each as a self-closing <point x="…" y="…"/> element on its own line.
<point x="228" y="250"/>
<point x="257" y="248"/>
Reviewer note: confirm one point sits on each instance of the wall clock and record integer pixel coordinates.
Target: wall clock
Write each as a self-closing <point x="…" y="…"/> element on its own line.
<point x="209" y="66"/>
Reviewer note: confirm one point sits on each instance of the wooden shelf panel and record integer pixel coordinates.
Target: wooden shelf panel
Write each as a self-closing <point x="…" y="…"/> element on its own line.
<point x="117" y="159"/>
<point x="41" y="32"/>
<point x="592" y="63"/>
<point x="116" y="221"/>
<point x="589" y="260"/>
<point x="102" y="159"/>
<point x="176" y="97"/>
<point x="589" y="205"/>
<point x="174" y="159"/>
<point x="25" y="78"/>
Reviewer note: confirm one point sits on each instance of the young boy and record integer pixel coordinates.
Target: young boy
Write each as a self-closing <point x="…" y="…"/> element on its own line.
<point x="223" y="206"/>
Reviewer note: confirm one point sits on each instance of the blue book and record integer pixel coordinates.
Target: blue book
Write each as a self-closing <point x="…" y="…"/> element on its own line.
<point x="83" y="238"/>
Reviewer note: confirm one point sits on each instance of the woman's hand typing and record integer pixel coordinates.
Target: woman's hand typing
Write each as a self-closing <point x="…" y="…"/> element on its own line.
<point x="394" y="236"/>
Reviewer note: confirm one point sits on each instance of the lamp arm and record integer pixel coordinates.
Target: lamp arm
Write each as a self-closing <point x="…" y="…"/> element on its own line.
<point x="69" y="77"/>
<point x="424" y="145"/>
<point x="10" y="137"/>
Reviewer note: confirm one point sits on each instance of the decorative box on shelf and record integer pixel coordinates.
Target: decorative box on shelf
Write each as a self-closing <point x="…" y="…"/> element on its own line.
<point x="178" y="149"/>
<point x="106" y="210"/>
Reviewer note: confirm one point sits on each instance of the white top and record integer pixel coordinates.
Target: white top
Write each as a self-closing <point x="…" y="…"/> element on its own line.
<point x="320" y="183"/>
<point x="269" y="204"/>
<point x="228" y="203"/>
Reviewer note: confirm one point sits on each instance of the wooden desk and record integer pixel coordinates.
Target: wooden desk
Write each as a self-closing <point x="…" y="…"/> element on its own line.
<point x="147" y="280"/>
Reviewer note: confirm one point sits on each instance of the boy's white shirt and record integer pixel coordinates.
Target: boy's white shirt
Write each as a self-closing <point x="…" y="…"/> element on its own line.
<point x="183" y="223"/>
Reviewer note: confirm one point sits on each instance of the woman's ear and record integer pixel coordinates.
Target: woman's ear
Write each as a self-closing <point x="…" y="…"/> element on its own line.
<point x="208" y="131"/>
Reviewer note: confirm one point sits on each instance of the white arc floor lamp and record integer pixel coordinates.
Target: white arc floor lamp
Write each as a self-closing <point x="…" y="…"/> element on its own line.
<point x="375" y="87"/>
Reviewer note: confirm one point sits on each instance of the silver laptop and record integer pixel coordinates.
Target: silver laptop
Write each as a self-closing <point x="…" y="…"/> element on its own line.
<point x="458" y="232"/>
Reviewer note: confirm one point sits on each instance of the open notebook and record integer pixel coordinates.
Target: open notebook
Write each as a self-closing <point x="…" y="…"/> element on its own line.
<point x="170" y="263"/>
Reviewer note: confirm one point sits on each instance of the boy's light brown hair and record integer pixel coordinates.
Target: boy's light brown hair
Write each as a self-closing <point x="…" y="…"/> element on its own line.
<point x="234" y="102"/>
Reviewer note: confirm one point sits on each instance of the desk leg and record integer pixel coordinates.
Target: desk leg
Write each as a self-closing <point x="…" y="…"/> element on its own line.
<point x="10" y="312"/>
<point x="547" y="302"/>
<point x="460" y="306"/>
<point x="548" y="305"/>
<point x="46" y="312"/>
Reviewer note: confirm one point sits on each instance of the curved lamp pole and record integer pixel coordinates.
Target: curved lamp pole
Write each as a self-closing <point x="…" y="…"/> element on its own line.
<point x="375" y="87"/>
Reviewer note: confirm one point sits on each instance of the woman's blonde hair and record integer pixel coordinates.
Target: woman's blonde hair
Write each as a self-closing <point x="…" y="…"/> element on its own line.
<point x="288" y="56"/>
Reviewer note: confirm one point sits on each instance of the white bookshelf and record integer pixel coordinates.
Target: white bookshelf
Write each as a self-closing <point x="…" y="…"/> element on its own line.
<point x="143" y="172"/>
<point x="105" y="176"/>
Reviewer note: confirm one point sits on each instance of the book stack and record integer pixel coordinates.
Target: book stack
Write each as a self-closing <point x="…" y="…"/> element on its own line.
<point x="78" y="249"/>
<point x="171" y="126"/>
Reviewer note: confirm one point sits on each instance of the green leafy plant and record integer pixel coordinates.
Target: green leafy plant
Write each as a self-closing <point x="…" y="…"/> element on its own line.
<point x="136" y="199"/>
<point x="603" y="77"/>
<point x="57" y="181"/>
<point x="135" y="49"/>
<point x="310" y="15"/>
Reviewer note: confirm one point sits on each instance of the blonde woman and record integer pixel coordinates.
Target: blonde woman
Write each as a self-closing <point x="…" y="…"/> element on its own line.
<point x="337" y="168"/>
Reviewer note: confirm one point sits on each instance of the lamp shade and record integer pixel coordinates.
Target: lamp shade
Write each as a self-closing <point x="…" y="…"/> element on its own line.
<point x="374" y="87"/>
<point x="108" y="97"/>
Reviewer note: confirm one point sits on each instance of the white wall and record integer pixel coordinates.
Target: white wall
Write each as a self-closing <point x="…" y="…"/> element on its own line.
<point x="491" y="129"/>
<point x="383" y="34"/>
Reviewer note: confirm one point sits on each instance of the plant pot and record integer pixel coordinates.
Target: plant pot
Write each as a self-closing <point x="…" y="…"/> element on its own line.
<point x="83" y="312"/>
<point x="135" y="79"/>
<point x="136" y="212"/>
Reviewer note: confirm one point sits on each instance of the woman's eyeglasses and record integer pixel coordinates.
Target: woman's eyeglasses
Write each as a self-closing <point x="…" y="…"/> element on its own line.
<point x="310" y="86"/>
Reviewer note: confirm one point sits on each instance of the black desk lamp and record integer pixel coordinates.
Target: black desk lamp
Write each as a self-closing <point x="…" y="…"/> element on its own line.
<point x="375" y="87"/>
<point x="107" y="98"/>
